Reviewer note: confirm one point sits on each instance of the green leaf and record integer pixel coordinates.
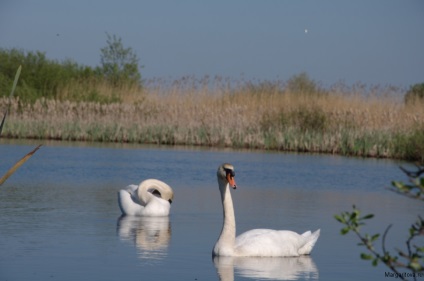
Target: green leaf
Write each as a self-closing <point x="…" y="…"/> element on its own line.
<point x="397" y="184"/>
<point x="340" y="219"/>
<point x="416" y="266"/>
<point x="375" y="262"/>
<point x="366" y="256"/>
<point x="422" y="182"/>
<point x="375" y="237"/>
<point x="344" y="230"/>
<point x="367" y="217"/>
<point x="15" y="82"/>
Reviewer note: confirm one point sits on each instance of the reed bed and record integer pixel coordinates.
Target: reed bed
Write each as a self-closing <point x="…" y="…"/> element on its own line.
<point x="264" y="118"/>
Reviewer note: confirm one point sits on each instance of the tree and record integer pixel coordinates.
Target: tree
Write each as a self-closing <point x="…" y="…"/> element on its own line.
<point x="415" y="94"/>
<point x="411" y="259"/>
<point x="302" y="84"/>
<point x="119" y="65"/>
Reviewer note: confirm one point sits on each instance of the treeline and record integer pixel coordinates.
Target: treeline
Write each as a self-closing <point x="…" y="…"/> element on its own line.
<point x="42" y="77"/>
<point x="68" y="80"/>
<point x="117" y="75"/>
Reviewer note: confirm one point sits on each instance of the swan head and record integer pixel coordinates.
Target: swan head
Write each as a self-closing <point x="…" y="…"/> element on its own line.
<point x="157" y="188"/>
<point x="226" y="175"/>
<point x="169" y="196"/>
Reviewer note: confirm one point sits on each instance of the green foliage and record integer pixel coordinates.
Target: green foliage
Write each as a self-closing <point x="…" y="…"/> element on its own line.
<point x="410" y="146"/>
<point x="51" y="79"/>
<point x="415" y="94"/>
<point x="310" y="118"/>
<point x="415" y="189"/>
<point x="305" y="119"/>
<point x="412" y="258"/>
<point x="15" y="82"/>
<point x="119" y="65"/>
<point x="301" y="84"/>
<point x="42" y="77"/>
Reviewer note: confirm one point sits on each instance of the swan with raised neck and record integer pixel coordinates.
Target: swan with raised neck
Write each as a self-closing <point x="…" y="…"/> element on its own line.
<point x="256" y="242"/>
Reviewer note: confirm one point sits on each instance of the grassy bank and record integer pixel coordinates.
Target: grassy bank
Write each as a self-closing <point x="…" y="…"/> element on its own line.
<point x="263" y="117"/>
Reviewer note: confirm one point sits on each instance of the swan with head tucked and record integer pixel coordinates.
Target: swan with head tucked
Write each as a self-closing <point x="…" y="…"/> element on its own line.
<point x="256" y="242"/>
<point x="151" y="198"/>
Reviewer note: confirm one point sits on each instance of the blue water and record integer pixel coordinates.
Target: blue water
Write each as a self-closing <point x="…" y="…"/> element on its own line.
<point x="59" y="218"/>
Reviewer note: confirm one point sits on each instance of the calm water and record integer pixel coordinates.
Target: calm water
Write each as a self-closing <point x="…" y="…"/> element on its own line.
<point x="59" y="218"/>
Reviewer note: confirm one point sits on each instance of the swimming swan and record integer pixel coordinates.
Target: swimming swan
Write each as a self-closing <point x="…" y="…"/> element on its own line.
<point x="256" y="242"/>
<point x="151" y="198"/>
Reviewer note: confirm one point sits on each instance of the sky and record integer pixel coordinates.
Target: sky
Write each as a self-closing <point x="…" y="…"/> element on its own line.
<point x="379" y="42"/>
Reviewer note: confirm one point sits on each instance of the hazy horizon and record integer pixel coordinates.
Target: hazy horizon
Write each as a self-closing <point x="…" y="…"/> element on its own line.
<point x="379" y="42"/>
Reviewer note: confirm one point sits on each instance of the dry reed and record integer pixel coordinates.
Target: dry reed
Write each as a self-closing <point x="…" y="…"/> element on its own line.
<point x="334" y="122"/>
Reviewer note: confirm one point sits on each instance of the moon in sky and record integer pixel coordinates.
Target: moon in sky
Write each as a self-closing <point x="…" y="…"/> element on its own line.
<point x="306" y="30"/>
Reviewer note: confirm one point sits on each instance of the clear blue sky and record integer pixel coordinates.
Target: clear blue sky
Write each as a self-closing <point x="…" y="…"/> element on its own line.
<point x="373" y="42"/>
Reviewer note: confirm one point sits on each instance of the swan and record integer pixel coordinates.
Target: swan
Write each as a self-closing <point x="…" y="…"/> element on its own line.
<point x="151" y="198"/>
<point x="256" y="242"/>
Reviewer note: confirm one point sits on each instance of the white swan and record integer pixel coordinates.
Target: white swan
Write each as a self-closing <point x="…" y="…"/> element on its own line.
<point x="151" y="198"/>
<point x="256" y="242"/>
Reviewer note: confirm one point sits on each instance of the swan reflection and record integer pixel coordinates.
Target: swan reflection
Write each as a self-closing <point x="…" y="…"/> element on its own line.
<point x="150" y="235"/>
<point x="267" y="268"/>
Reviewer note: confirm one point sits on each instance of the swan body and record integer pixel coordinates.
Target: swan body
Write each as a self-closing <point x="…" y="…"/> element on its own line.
<point x="151" y="198"/>
<point x="256" y="242"/>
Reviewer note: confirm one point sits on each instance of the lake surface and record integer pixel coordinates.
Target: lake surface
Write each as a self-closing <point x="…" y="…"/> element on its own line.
<point x="59" y="217"/>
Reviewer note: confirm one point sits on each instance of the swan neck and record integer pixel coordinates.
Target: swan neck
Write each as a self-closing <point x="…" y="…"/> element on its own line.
<point x="228" y="233"/>
<point x="143" y="193"/>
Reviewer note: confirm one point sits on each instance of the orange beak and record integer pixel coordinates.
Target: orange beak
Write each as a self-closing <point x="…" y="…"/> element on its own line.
<point x="231" y="181"/>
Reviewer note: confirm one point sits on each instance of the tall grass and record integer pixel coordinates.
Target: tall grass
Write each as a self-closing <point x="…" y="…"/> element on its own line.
<point x="188" y="112"/>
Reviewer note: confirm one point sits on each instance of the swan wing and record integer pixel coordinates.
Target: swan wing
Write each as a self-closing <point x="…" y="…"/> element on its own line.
<point x="157" y="207"/>
<point x="129" y="203"/>
<point x="272" y="243"/>
<point x="311" y="239"/>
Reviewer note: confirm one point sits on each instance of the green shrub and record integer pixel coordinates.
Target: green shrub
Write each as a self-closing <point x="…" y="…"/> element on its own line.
<point x="410" y="146"/>
<point x="415" y="93"/>
<point x="66" y="80"/>
<point x="301" y="84"/>
<point x="309" y="119"/>
<point x="41" y="77"/>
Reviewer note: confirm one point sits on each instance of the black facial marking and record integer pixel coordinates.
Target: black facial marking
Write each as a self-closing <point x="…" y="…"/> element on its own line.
<point x="156" y="193"/>
<point x="229" y="171"/>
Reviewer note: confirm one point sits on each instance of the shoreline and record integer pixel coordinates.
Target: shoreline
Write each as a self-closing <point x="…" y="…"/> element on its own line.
<point x="332" y="123"/>
<point x="91" y="143"/>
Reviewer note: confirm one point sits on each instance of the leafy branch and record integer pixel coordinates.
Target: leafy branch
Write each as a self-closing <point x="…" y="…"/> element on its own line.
<point x="413" y="256"/>
<point x="413" y="190"/>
